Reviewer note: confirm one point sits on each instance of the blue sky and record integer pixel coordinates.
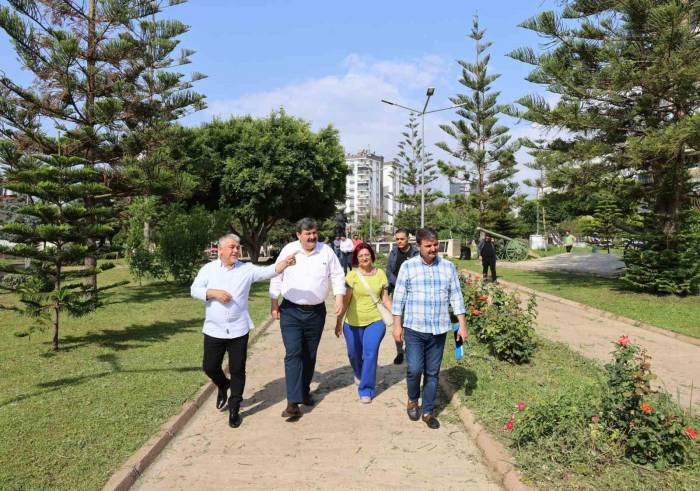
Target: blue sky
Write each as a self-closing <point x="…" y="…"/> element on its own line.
<point x="332" y="62"/>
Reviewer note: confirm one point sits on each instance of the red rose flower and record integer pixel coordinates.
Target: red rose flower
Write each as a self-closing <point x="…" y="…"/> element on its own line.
<point x="595" y="419"/>
<point x="645" y="407"/>
<point x="484" y="298"/>
<point x="691" y="433"/>
<point x="509" y="425"/>
<point x="520" y="406"/>
<point x="623" y="341"/>
<point x="476" y="311"/>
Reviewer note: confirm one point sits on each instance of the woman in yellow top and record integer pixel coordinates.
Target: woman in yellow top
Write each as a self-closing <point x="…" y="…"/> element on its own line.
<point x="363" y="328"/>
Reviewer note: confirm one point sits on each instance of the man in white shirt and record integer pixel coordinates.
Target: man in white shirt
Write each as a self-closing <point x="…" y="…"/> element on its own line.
<point x="224" y="284"/>
<point x="346" y="248"/>
<point x="303" y="311"/>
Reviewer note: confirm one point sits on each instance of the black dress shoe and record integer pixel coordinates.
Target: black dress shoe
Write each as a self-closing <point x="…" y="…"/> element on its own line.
<point x="221" y="399"/>
<point x="234" y="419"/>
<point x="399" y="359"/>
<point x="413" y="410"/>
<point x="292" y="412"/>
<point x="308" y="401"/>
<point x="431" y="421"/>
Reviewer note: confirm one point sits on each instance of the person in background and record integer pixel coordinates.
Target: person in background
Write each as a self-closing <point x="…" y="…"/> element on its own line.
<point x="355" y="241"/>
<point x="302" y="314"/>
<point x="569" y="241"/>
<point x="346" y="248"/>
<point x="224" y="284"/>
<point x="427" y="286"/>
<point x="402" y="251"/>
<point x="487" y="251"/>
<point x="364" y="328"/>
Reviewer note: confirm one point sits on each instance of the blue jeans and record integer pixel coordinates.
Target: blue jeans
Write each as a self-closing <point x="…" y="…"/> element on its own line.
<point x="363" y="350"/>
<point x="301" y="334"/>
<point x="423" y="357"/>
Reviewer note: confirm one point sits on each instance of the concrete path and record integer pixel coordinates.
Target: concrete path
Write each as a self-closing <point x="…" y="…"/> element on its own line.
<point x="601" y="264"/>
<point x="338" y="444"/>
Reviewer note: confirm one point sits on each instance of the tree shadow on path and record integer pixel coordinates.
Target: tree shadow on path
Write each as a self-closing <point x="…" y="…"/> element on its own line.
<point x="461" y="379"/>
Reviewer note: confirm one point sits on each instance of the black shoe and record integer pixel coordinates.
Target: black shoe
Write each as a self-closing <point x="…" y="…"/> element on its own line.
<point x="292" y="413"/>
<point x="234" y="419"/>
<point x="431" y="421"/>
<point x="308" y="401"/>
<point x="399" y="359"/>
<point x="221" y="399"/>
<point x="413" y="410"/>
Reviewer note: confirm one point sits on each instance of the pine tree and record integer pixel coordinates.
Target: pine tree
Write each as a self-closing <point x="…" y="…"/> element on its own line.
<point x="417" y="171"/>
<point x="102" y="78"/>
<point x="626" y="74"/>
<point x="482" y="146"/>
<point x="62" y="233"/>
<point x="607" y="218"/>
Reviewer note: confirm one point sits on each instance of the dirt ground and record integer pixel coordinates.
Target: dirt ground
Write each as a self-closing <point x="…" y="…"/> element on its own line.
<point x="338" y="444"/>
<point x="600" y="264"/>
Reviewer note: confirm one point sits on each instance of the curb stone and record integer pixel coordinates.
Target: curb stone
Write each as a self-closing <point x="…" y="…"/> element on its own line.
<point x="593" y="310"/>
<point x="129" y="472"/>
<point x="495" y="455"/>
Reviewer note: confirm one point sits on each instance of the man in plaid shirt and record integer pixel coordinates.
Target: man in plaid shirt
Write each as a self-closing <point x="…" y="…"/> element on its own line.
<point x="426" y="286"/>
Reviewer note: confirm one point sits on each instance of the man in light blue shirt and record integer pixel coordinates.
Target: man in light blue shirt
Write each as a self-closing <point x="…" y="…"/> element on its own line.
<point x="224" y="284"/>
<point x="426" y="287"/>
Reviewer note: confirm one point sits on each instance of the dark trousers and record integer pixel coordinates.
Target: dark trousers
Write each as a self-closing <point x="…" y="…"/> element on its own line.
<point x="346" y="261"/>
<point x="214" y="349"/>
<point x="301" y="333"/>
<point x="568" y="248"/>
<point x="424" y="357"/>
<point x="486" y="263"/>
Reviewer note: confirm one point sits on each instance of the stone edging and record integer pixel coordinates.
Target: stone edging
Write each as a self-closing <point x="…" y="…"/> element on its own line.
<point x="129" y="472"/>
<point x="602" y="313"/>
<point x="495" y="454"/>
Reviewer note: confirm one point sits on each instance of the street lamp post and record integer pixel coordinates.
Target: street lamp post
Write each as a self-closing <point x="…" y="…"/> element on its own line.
<point x="428" y="93"/>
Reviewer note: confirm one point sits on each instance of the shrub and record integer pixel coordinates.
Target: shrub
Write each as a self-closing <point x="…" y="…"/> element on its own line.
<point x="182" y="238"/>
<point x="498" y="320"/>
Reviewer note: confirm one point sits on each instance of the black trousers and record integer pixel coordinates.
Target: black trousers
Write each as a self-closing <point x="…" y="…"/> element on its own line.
<point x="301" y="334"/>
<point x="568" y="248"/>
<point x="214" y="349"/>
<point x="486" y="263"/>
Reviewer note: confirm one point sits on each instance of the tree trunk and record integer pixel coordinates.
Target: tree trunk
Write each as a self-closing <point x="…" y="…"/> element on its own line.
<point x="55" y="323"/>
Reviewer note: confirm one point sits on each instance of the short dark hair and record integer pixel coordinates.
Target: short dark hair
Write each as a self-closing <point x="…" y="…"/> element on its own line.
<point x="401" y="230"/>
<point x="425" y="234"/>
<point x="306" y="223"/>
<point x="357" y="250"/>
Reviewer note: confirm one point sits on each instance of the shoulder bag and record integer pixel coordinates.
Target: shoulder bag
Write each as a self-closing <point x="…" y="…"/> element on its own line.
<point x="386" y="315"/>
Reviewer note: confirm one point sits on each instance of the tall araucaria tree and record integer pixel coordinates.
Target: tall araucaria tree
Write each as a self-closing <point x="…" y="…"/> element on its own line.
<point x="627" y="76"/>
<point x="103" y="77"/>
<point x="483" y="148"/>
<point x="61" y="233"/>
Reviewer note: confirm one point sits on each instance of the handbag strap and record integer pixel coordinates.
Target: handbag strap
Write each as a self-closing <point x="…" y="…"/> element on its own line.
<point x="366" y="285"/>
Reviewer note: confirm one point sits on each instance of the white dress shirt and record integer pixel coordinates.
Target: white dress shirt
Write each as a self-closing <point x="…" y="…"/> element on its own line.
<point x="228" y="320"/>
<point x="307" y="282"/>
<point x="347" y="245"/>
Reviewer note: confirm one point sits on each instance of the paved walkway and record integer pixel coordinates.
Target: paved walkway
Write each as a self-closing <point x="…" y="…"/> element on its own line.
<point x="600" y="264"/>
<point x="338" y="444"/>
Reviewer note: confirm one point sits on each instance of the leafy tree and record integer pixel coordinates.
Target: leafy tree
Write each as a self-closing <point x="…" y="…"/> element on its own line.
<point x="138" y="244"/>
<point x="363" y="229"/>
<point x="606" y="219"/>
<point x="182" y="238"/>
<point x="455" y="219"/>
<point x="62" y="233"/>
<point x="483" y="147"/>
<point x="269" y="169"/>
<point x="626" y="74"/>
<point x="103" y="77"/>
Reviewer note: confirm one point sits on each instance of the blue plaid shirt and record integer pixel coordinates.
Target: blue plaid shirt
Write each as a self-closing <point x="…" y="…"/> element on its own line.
<point x="423" y="292"/>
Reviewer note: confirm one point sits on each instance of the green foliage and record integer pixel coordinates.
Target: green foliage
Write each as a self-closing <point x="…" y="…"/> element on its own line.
<point x="483" y="147"/>
<point x="498" y="320"/>
<point x="138" y="248"/>
<point x="606" y="220"/>
<point x="455" y="219"/>
<point x="182" y="238"/>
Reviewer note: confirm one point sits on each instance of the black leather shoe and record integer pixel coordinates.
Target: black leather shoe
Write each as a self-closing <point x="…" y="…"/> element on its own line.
<point x="413" y="410"/>
<point x="292" y="412"/>
<point x="399" y="359"/>
<point x="309" y="401"/>
<point x="431" y="421"/>
<point x="221" y="399"/>
<point x="234" y="419"/>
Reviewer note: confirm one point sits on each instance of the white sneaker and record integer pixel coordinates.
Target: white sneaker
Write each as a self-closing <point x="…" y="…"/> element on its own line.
<point x="365" y="399"/>
<point x="357" y="380"/>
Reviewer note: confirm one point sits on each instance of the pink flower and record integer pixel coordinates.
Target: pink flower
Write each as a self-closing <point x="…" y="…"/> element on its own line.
<point x="623" y="341"/>
<point x="691" y="433"/>
<point x="595" y="419"/>
<point x="484" y="298"/>
<point x="520" y="406"/>
<point x="509" y="425"/>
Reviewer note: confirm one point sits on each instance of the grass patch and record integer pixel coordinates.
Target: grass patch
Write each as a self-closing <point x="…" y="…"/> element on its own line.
<point x="491" y="389"/>
<point x="677" y="314"/>
<point x="69" y="420"/>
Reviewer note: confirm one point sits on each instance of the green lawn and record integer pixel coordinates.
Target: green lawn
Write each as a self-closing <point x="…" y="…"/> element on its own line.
<point x="70" y="419"/>
<point x="491" y="389"/>
<point x="677" y="314"/>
